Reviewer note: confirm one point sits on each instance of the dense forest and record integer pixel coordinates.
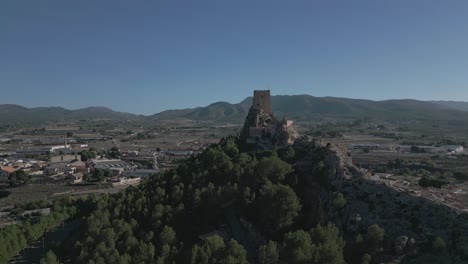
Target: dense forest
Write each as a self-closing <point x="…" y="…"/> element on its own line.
<point x="232" y="204"/>
<point x="222" y="206"/>
<point x="225" y="205"/>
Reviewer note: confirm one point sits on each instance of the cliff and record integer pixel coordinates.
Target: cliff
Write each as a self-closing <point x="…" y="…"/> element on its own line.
<point x="410" y="222"/>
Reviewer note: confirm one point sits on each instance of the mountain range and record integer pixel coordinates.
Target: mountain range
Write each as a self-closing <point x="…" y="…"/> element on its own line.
<point x="20" y="114"/>
<point x="303" y="107"/>
<point x="298" y="107"/>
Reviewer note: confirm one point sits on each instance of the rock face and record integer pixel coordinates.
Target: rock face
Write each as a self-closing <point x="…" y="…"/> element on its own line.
<point x="409" y="221"/>
<point x="262" y="128"/>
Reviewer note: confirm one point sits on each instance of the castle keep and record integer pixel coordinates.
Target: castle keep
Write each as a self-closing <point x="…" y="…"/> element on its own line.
<point x="261" y="100"/>
<point x="262" y="128"/>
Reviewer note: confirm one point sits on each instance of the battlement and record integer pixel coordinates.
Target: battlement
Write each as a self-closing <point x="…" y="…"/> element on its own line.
<point x="261" y="100"/>
<point x="259" y="91"/>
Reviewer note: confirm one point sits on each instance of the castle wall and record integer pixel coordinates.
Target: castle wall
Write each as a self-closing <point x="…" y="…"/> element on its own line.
<point x="262" y="100"/>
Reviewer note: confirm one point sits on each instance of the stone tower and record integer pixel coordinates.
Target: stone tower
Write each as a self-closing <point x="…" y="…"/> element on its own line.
<point x="261" y="100"/>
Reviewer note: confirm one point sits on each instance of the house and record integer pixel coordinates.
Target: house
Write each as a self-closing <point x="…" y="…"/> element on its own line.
<point x="76" y="178"/>
<point x="79" y="165"/>
<point x="5" y="172"/>
<point x="65" y="158"/>
<point x="55" y="168"/>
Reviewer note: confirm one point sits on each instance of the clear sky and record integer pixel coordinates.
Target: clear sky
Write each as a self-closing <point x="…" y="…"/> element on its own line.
<point x="147" y="56"/>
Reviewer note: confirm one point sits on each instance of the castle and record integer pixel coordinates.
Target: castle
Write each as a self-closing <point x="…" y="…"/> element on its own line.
<point x="261" y="100"/>
<point x="261" y="126"/>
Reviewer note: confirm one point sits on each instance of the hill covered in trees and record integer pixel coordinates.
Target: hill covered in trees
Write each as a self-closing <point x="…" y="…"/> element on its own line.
<point x="298" y="107"/>
<point x="304" y="203"/>
<point x="223" y="206"/>
<point x="19" y="114"/>
<point x="229" y="205"/>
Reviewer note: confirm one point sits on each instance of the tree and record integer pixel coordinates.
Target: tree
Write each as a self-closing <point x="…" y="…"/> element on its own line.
<point x="213" y="250"/>
<point x="273" y="169"/>
<point x="49" y="258"/>
<point x="18" y="176"/>
<point x="114" y="153"/>
<point x="69" y="134"/>
<point x="167" y="236"/>
<point x="230" y="148"/>
<point x="329" y="244"/>
<point x="268" y="254"/>
<point x="277" y="206"/>
<point x="366" y="259"/>
<point x="339" y="201"/>
<point x="297" y="248"/>
<point x="438" y="244"/>
<point x="288" y="154"/>
<point x="374" y="237"/>
<point x="322" y="245"/>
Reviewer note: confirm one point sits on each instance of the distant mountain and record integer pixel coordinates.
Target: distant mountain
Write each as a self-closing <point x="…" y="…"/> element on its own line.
<point x="297" y="107"/>
<point x="20" y="114"/>
<point x="303" y="107"/>
<point x="457" y="105"/>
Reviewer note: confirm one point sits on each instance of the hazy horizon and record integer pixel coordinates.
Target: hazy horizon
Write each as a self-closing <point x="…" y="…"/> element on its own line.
<point x="152" y="113"/>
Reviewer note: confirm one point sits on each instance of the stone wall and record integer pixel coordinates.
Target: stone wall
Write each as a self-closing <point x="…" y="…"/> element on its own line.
<point x="261" y="100"/>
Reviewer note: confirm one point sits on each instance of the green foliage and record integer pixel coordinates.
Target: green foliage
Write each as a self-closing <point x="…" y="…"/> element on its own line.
<point x="322" y="245"/>
<point x="438" y="244"/>
<point x="87" y="155"/>
<point x="339" y="201"/>
<point x="429" y="163"/>
<point x="273" y="169"/>
<point x="297" y="247"/>
<point x="161" y="220"/>
<point x="99" y="175"/>
<point x="167" y="236"/>
<point x="14" y="238"/>
<point x="366" y="259"/>
<point x="230" y="148"/>
<point x="328" y="131"/>
<point x="375" y="234"/>
<point x="374" y="237"/>
<point x="277" y="206"/>
<point x="268" y="254"/>
<point x="461" y="176"/>
<point x="49" y="258"/>
<point x="19" y="176"/>
<point x="428" y="182"/>
<point x="114" y="153"/>
<point x="38" y="204"/>
<point x="213" y="250"/>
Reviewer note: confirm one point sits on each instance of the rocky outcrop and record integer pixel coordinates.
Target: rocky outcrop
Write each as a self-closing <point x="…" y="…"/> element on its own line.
<point x="338" y="164"/>
<point x="256" y="118"/>
<point x="410" y="222"/>
<point x="263" y="128"/>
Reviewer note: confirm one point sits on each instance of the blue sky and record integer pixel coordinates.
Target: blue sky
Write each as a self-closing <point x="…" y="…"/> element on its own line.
<point x="148" y="56"/>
